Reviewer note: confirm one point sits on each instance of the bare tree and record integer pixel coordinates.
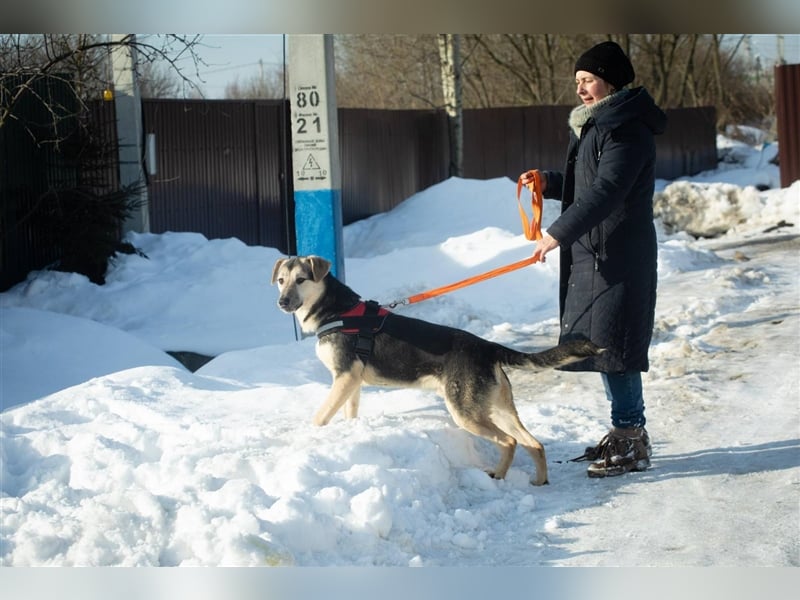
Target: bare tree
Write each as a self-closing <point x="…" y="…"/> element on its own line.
<point x="450" y="61"/>
<point x="679" y="70"/>
<point x="68" y="197"/>
<point x="79" y="63"/>
<point x="524" y="68"/>
<point x="686" y="83"/>
<point x="388" y="71"/>
<point x="702" y="70"/>
<point x="157" y="80"/>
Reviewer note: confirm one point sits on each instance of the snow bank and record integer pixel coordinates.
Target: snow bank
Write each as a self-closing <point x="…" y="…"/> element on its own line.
<point x="140" y="462"/>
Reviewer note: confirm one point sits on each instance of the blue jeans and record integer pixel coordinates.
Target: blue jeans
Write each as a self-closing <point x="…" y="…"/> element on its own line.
<point x="624" y="391"/>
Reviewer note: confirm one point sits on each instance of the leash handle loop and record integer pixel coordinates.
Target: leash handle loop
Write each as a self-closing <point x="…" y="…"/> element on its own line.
<point x="533" y="228"/>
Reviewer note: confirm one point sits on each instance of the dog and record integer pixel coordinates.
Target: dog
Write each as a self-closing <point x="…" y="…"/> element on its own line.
<point x="386" y="349"/>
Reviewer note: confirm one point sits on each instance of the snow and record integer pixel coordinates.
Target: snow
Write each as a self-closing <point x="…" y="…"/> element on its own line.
<point x="115" y="454"/>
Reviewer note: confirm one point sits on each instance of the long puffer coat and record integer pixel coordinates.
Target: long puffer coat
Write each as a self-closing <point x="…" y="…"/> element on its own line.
<point x="606" y="232"/>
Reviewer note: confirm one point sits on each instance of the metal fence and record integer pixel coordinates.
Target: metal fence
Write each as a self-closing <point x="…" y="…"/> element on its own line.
<point x="30" y="165"/>
<point x="787" y="109"/>
<point x="222" y="167"/>
<point x="388" y="155"/>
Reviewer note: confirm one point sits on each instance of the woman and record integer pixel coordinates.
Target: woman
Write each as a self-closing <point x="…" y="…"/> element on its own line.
<point x="608" y="243"/>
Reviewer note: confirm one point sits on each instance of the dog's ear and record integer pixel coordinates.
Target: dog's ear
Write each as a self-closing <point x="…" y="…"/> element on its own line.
<point x="276" y="268"/>
<point x="319" y="267"/>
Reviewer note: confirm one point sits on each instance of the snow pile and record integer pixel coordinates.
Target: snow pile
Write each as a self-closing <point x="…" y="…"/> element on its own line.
<point x="112" y="454"/>
<point x="188" y="293"/>
<point x="710" y="210"/>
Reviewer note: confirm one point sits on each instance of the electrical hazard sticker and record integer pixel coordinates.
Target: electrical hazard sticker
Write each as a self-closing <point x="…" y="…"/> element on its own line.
<point x="311" y="170"/>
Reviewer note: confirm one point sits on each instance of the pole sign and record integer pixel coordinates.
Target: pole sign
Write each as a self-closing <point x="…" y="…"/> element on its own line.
<point x="315" y="149"/>
<point x="311" y="145"/>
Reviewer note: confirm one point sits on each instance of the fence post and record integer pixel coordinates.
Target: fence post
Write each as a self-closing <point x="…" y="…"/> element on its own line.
<point x="315" y="149"/>
<point x="129" y="129"/>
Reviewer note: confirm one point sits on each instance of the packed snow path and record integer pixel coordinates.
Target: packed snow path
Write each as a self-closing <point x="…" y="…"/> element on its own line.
<point x="726" y="463"/>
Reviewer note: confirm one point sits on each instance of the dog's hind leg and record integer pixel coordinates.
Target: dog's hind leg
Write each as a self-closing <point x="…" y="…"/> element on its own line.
<point x="507" y="446"/>
<point x="344" y="387"/>
<point x="506" y="419"/>
<point x="505" y="443"/>
<point x="514" y="428"/>
<point x="472" y="416"/>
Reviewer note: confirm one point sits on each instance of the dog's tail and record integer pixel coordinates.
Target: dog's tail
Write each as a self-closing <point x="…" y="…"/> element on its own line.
<point x="563" y="354"/>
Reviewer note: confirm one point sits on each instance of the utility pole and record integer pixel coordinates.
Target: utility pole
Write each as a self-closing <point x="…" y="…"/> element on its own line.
<point x="315" y="149"/>
<point x="130" y="129"/>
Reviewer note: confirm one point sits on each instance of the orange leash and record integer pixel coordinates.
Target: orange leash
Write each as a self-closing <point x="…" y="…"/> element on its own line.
<point x="531" y="228"/>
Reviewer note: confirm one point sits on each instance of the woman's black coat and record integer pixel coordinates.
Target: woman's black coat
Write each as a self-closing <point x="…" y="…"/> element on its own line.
<point x="606" y="233"/>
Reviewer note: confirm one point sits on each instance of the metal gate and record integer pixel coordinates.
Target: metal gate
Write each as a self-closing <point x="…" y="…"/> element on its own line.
<point x="222" y="170"/>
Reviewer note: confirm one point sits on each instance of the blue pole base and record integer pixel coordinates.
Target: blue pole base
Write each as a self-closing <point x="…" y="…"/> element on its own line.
<point x="318" y="225"/>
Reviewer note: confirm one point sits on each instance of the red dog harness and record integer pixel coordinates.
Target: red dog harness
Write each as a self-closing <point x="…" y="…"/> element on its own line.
<point x="364" y="320"/>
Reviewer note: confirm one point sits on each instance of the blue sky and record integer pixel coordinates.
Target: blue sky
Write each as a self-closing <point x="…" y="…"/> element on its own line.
<point x="231" y="56"/>
<point x="242" y="55"/>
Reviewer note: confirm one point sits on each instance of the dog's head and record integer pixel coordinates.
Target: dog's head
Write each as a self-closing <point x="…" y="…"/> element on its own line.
<point x="299" y="281"/>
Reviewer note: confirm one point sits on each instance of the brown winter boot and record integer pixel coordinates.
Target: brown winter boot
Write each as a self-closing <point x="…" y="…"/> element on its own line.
<point x="621" y="450"/>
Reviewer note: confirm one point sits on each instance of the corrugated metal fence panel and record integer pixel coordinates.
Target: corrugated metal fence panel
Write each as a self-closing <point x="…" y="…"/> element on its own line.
<point x="221" y="164"/>
<point x="204" y="156"/>
<point x="24" y="177"/>
<point x="103" y="122"/>
<point x="787" y="109"/>
<point x="502" y="142"/>
<point x="274" y="180"/>
<point x="220" y="169"/>
<point x="546" y="138"/>
<point x="689" y="144"/>
<point x="507" y="141"/>
<point x="388" y="155"/>
<point x="28" y="170"/>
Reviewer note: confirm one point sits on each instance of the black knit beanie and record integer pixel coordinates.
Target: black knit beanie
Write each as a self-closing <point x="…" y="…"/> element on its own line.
<point x="608" y="61"/>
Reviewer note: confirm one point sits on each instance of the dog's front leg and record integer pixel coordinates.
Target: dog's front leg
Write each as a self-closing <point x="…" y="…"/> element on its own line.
<point x="345" y="386"/>
<point x="351" y="407"/>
